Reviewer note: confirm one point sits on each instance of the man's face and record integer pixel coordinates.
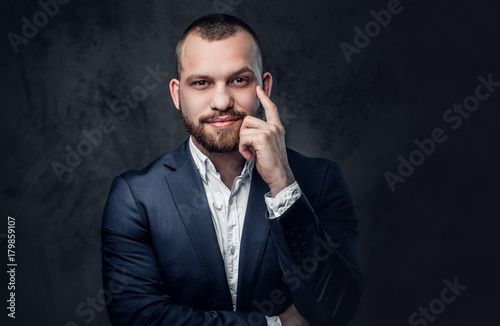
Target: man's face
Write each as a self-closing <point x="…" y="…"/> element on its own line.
<point x="216" y="89"/>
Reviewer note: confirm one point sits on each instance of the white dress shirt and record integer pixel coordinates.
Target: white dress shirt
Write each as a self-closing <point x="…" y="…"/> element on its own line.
<point x="228" y="207"/>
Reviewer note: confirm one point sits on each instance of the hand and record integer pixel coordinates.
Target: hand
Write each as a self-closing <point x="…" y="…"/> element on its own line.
<point x="264" y="142"/>
<point x="291" y="317"/>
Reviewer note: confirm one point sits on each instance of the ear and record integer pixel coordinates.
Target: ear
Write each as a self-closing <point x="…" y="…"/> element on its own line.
<point x="267" y="83"/>
<point x="174" y="92"/>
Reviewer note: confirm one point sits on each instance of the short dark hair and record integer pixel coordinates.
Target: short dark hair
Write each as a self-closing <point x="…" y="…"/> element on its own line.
<point x="215" y="27"/>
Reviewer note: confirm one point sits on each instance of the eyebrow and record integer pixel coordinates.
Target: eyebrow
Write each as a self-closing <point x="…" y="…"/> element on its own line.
<point x="238" y="72"/>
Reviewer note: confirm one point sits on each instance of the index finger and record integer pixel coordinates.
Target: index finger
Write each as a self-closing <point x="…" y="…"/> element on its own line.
<point x="270" y="108"/>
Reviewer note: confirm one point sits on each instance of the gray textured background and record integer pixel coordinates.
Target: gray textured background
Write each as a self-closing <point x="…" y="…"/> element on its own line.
<point x="441" y="223"/>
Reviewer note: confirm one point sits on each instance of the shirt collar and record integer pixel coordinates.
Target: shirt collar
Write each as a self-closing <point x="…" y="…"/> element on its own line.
<point x="203" y="163"/>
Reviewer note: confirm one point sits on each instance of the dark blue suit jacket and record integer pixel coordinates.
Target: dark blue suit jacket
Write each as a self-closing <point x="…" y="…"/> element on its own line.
<point x="162" y="264"/>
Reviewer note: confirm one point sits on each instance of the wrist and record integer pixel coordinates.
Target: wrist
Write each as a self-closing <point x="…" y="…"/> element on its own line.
<point x="281" y="184"/>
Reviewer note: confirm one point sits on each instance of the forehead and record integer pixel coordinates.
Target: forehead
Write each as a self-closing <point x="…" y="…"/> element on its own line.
<point x="208" y="57"/>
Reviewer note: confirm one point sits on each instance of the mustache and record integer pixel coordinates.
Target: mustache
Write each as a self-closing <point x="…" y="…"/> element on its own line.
<point x="231" y="113"/>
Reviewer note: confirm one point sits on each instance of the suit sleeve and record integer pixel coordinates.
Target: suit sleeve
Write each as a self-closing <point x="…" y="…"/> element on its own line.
<point x="135" y="293"/>
<point x="318" y="253"/>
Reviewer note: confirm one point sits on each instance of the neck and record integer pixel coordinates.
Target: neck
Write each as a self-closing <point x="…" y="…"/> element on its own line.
<point x="228" y="165"/>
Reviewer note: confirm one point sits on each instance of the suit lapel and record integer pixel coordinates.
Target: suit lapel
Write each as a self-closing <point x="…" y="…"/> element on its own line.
<point x="189" y="195"/>
<point x="253" y="242"/>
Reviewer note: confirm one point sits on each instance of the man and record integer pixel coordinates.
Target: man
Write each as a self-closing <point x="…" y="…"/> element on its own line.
<point x="232" y="228"/>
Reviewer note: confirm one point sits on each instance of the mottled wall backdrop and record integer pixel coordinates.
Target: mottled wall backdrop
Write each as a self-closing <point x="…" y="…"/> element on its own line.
<point x="403" y="95"/>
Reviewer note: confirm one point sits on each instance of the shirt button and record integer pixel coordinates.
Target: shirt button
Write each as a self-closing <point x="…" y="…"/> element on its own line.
<point x="232" y="250"/>
<point x="230" y="201"/>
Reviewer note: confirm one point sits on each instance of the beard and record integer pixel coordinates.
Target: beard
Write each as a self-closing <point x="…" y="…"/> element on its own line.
<point x="217" y="140"/>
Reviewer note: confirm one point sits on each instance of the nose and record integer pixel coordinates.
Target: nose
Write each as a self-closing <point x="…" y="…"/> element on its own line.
<point x="221" y="98"/>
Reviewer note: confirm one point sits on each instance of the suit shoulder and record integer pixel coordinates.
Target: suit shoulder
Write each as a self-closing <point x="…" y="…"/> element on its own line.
<point x="159" y="167"/>
<point x="151" y="169"/>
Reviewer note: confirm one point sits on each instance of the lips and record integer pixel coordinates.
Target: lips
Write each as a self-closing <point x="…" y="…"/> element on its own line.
<point x="223" y="119"/>
<point x="223" y="122"/>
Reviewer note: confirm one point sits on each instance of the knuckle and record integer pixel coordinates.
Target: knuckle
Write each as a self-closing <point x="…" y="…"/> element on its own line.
<point x="275" y="129"/>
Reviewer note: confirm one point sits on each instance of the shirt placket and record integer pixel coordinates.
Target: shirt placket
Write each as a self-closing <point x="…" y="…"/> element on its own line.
<point x="232" y="252"/>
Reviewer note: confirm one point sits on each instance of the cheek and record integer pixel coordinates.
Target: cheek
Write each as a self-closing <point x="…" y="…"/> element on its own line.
<point x="247" y="101"/>
<point x="193" y="104"/>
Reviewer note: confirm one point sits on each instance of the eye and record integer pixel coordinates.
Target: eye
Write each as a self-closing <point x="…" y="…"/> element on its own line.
<point x="200" y="84"/>
<point x="240" y="80"/>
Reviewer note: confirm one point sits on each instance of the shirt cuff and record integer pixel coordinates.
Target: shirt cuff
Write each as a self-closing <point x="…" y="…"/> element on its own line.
<point x="284" y="199"/>
<point x="273" y="321"/>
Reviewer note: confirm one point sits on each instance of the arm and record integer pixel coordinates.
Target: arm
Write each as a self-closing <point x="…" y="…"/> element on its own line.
<point x="330" y="289"/>
<point x="318" y="253"/>
<point x="135" y="291"/>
